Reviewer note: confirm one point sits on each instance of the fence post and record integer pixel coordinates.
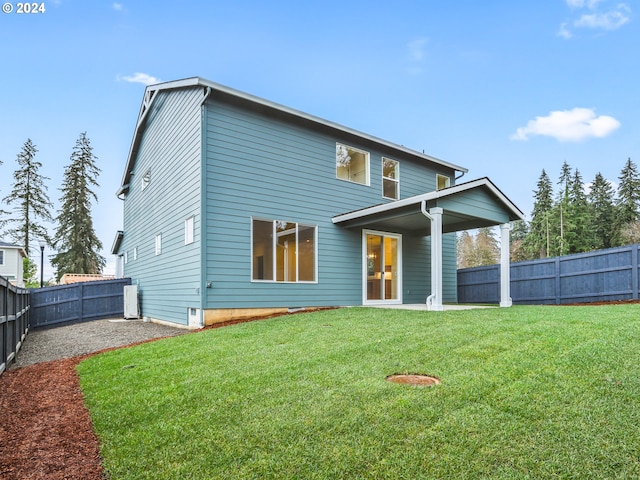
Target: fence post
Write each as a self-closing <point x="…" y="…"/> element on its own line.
<point x="634" y="271"/>
<point x="557" y="277"/>
<point x="5" y="324"/>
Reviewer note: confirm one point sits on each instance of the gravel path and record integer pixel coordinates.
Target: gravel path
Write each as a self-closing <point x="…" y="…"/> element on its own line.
<point x="43" y="345"/>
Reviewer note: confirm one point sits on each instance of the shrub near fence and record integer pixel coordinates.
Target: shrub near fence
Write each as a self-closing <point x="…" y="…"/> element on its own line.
<point x="78" y="302"/>
<point x="599" y="276"/>
<point x="14" y="320"/>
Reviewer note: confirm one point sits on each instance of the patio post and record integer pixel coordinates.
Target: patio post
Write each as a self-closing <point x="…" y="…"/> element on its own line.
<point x="505" y="274"/>
<point x="434" y="301"/>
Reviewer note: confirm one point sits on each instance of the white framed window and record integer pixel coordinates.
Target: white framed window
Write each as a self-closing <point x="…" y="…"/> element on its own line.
<point x="146" y="179"/>
<point x="1" y="257"/>
<point x="135" y="253"/>
<point x="126" y="258"/>
<point x="442" y="181"/>
<point x="352" y="164"/>
<point x="189" y="229"/>
<point x="390" y="178"/>
<point x="283" y="251"/>
<point x="158" y="244"/>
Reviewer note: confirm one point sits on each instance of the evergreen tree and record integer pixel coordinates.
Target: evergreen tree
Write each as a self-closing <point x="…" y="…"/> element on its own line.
<point x="3" y="214"/>
<point x="601" y="203"/>
<point x="628" y="203"/>
<point x="465" y="250"/>
<point x="537" y="242"/>
<point x="517" y="237"/>
<point x="562" y="225"/>
<point x="487" y="247"/>
<point x="580" y="237"/>
<point x="30" y="196"/>
<point x="75" y="238"/>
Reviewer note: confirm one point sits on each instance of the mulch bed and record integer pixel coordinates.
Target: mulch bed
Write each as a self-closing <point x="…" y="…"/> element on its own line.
<point x="45" y="429"/>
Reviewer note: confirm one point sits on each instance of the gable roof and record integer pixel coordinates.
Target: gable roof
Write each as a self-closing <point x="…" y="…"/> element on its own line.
<point x="152" y="90"/>
<point x="14" y="247"/>
<point x="459" y="213"/>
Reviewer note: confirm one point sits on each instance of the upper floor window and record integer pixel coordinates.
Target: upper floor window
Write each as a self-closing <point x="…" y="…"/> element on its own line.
<point x="390" y="178"/>
<point x="1" y="257"/>
<point x="352" y="164"/>
<point x="283" y="251"/>
<point x="442" y="181"/>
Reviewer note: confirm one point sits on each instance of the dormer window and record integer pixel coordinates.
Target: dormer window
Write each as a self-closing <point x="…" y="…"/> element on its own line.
<point x="442" y="181"/>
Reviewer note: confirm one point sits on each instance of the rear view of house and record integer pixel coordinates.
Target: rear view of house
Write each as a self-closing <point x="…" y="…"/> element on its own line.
<point x="236" y="206"/>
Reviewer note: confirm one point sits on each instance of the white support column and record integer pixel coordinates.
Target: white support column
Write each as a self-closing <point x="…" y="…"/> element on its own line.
<point x="505" y="274"/>
<point x="434" y="301"/>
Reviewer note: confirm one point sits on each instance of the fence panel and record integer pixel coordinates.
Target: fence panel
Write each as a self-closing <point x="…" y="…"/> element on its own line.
<point x="602" y="275"/>
<point x="78" y="302"/>
<point x="14" y="320"/>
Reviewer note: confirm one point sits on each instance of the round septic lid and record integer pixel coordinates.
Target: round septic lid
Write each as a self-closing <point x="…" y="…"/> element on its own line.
<point x="414" y="379"/>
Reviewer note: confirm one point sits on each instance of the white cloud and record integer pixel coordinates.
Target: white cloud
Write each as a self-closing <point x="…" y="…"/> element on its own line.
<point x="143" y="78"/>
<point x="569" y="125"/>
<point x="590" y="15"/>
<point x="118" y="7"/>
<point x="608" y="21"/>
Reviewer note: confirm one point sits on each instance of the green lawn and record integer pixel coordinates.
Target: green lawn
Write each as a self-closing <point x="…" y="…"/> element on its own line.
<point x="527" y="392"/>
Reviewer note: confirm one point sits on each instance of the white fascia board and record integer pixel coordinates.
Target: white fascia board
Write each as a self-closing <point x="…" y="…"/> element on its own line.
<point x="417" y="199"/>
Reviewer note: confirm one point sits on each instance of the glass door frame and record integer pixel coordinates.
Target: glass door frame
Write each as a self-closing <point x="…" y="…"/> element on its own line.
<point x="365" y="268"/>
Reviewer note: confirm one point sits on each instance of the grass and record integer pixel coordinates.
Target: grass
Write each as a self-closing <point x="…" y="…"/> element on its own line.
<point x="527" y="392"/>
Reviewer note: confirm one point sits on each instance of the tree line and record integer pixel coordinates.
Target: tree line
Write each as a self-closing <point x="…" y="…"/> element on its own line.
<point x="573" y="218"/>
<point x="28" y="207"/>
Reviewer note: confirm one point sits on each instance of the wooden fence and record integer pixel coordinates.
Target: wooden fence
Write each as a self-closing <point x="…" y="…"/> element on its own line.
<point x="14" y="320"/>
<point x="78" y="302"/>
<point x="600" y="276"/>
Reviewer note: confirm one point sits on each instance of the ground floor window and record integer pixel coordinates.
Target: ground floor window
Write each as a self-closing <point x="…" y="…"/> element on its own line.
<point x="283" y="251"/>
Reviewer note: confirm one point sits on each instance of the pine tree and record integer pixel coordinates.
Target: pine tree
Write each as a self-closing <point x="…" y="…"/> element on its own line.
<point x="465" y="250"/>
<point x="628" y="203"/>
<point x="580" y="237"/>
<point x="29" y="193"/>
<point x="562" y="225"/>
<point x="75" y="238"/>
<point x="517" y="237"/>
<point x="601" y="202"/>
<point x="3" y="214"/>
<point x="538" y="241"/>
<point x="487" y="248"/>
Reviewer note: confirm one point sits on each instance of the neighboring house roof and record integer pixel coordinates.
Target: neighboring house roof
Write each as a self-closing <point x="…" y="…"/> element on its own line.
<point x="152" y="90"/>
<point x="407" y="213"/>
<point x="68" y="278"/>
<point x="20" y="249"/>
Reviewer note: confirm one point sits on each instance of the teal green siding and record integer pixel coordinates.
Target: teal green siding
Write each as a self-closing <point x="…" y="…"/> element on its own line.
<point x="272" y="168"/>
<point x="170" y="149"/>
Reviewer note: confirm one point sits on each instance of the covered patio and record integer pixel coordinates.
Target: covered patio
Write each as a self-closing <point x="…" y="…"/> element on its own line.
<point x="474" y="204"/>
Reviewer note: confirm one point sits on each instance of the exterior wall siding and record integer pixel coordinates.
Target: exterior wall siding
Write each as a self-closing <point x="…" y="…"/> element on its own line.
<point x="170" y="150"/>
<point x="270" y="168"/>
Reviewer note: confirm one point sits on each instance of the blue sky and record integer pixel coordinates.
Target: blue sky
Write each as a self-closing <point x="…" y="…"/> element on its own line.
<point x="504" y="88"/>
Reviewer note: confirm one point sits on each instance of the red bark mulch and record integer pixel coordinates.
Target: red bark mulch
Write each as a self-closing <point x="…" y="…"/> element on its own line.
<point x="45" y="429"/>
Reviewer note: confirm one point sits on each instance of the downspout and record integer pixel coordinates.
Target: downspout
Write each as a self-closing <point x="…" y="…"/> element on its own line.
<point x="204" y="282"/>
<point x="423" y="209"/>
<point x="458" y="178"/>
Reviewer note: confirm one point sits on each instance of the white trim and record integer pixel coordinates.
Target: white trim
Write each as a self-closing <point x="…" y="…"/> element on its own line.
<point x="398" y="237"/>
<point x="367" y="155"/>
<point x="274" y="234"/>
<point x="396" y="180"/>
<point x="417" y="199"/>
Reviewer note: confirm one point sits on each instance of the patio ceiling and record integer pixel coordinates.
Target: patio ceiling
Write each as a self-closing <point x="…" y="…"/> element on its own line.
<point x="474" y="204"/>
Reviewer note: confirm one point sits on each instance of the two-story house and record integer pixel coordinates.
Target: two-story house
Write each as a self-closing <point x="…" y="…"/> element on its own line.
<point x="237" y="206"/>
<point x="11" y="263"/>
